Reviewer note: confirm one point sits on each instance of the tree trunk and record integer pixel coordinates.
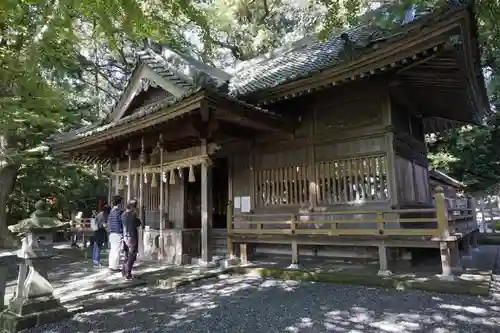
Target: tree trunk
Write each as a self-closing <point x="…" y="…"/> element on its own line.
<point x="8" y="176"/>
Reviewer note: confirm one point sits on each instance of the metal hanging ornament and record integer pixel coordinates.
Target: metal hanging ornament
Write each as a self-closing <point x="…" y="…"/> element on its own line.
<point x="192" y="178"/>
<point x="153" y="180"/>
<point x="171" y="177"/>
<point x="120" y="183"/>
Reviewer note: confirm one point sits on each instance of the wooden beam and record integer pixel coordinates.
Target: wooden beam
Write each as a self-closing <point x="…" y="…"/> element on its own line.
<point x="253" y="118"/>
<point x="416" y="63"/>
<point x="236" y="131"/>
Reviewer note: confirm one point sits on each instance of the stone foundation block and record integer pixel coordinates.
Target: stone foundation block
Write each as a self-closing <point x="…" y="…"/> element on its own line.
<point x="226" y="263"/>
<point x="31" y="313"/>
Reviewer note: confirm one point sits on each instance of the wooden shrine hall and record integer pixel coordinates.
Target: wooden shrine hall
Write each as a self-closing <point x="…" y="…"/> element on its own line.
<point x="316" y="149"/>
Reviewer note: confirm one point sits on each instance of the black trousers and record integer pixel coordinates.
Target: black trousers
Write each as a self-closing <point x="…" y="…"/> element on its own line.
<point x="130" y="249"/>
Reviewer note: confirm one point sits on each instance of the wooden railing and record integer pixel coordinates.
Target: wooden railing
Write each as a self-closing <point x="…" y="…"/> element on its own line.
<point x="439" y="223"/>
<point x="81" y="227"/>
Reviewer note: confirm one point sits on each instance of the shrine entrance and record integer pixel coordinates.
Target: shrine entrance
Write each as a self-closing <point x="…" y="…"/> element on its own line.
<point x="219" y="193"/>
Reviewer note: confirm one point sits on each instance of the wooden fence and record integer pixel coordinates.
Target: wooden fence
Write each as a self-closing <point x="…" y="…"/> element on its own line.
<point x="438" y="223"/>
<point x="488" y="215"/>
<point x="81" y="228"/>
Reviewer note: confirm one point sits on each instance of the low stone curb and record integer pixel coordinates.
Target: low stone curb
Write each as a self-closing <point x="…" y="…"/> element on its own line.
<point x="145" y="279"/>
<point x="461" y="287"/>
<point x="175" y="283"/>
<point x="489" y="239"/>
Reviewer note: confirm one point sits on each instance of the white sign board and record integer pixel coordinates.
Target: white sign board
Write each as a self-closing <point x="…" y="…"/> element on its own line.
<point x="245" y="205"/>
<point x="237" y="202"/>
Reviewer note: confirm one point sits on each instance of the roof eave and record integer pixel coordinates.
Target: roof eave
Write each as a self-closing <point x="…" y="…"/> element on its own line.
<point x="441" y="176"/>
<point x="396" y="53"/>
<point x="181" y="107"/>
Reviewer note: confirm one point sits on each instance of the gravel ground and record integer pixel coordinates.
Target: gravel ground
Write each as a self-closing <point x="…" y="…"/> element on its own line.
<point x="246" y="304"/>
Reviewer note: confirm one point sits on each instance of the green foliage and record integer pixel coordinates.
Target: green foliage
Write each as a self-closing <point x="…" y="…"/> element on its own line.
<point x="471" y="154"/>
<point x="497" y="226"/>
<point x="52" y="178"/>
<point x="49" y="81"/>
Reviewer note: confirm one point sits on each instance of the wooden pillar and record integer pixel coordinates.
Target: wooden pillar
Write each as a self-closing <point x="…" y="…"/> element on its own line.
<point x="473" y="208"/>
<point x="142" y="161"/>
<point x="391" y="171"/>
<point x="466" y="247"/>
<point x="456" y="265"/>
<point x="129" y="174"/>
<point x="473" y="241"/>
<point x="483" y="213"/>
<point x="390" y="164"/>
<point x="295" y="255"/>
<point x="444" y="234"/>
<point x="206" y="207"/>
<point x="162" y="203"/>
<point x="140" y="189"/>
<point x="311" y="169"/>
<point x="110" y="188"/>
<point x="3" y="283"/>
<point x="383" y="260"/>
<point x="230" y="208"/>
<point x="229" y="217"/>
<point x="294" y="244"/>
<point x="117" y="177"/>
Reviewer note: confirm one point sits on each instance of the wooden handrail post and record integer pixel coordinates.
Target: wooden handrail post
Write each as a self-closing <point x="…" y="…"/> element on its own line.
<point x="380" y="223"/>
<point x="444" y="233"/>
<point x="229" y="218"/>
<point x="441" y="213"/>
<point x="472" y="207"/>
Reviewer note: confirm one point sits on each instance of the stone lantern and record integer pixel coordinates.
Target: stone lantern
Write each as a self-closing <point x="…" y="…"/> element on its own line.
<point x="34" y="303"/>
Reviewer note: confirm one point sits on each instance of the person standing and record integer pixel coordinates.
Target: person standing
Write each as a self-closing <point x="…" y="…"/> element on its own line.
<point x="131" y="224"/>
<point x="115" y="227"/>
<point x="98" y="227"/>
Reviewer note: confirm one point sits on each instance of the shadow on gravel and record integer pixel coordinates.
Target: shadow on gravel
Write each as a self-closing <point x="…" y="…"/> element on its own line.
<point x="244" y="304"/>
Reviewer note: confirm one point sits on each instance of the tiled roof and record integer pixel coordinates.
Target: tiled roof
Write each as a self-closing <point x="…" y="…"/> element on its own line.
<point x="139" y="113"/>
<point x="148" y="110"/>
<point x="301" y="60"/>
<point x="182" y="70"/>
<point x="294" y="63"/>
<point x="305" y="60"/>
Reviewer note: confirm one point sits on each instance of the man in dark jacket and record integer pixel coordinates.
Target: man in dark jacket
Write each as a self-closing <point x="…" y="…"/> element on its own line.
<point x="131" y="224"/>
<point x="115" y="227"/>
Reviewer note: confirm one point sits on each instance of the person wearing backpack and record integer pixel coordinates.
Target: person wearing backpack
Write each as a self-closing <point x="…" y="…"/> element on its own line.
<point x="98" y="227"/>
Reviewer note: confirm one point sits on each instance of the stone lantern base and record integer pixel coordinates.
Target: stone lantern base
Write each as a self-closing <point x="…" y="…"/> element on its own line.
<point x="30" y="313"/>
<point x="34" y="303"/>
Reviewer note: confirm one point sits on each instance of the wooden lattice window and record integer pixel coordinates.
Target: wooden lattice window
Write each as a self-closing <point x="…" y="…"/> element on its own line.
<point x="281" y="186"/>
<point x="350" y="180"/>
